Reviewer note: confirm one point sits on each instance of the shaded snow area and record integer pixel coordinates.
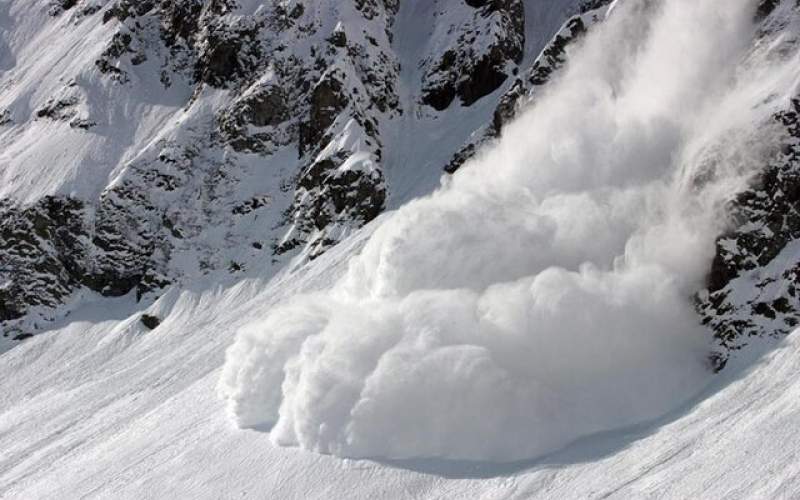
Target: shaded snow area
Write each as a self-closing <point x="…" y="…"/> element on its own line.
<point x="544" y="292"/>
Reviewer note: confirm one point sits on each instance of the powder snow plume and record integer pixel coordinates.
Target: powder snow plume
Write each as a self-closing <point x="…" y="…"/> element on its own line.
<point x="544" y="292"/>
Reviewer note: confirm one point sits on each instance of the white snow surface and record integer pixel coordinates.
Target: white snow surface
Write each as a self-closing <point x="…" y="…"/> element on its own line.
<point x="543" y="294"/>
<point x="103" y="408"/>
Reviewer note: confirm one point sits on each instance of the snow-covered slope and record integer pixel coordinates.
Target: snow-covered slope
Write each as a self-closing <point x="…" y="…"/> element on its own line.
<point x="208" y="263"/>
<point x="149" y="143"/>
<point x="104" y="408"/>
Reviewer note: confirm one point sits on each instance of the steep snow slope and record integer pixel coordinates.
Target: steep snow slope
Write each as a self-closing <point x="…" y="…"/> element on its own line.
<point x="104" y="408"/>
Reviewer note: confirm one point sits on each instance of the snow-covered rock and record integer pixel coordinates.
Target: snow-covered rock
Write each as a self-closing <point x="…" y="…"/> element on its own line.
<point x="752" y="290"/>
<point x="212" y="139"/>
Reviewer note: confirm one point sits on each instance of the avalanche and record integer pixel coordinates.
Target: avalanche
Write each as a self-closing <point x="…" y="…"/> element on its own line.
<point x="544" y="292"/>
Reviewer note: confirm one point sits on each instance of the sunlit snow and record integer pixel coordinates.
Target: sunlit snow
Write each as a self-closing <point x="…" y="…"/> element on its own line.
<point x="543" y="293"/>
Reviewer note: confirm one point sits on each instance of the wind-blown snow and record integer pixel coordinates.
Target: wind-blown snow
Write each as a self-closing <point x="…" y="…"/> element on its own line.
<point x="544" y="292"/>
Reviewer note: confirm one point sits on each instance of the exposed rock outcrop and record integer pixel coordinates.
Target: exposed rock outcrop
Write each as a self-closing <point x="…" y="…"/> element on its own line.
<point x="523" y="90"/>
<point x="474" y="65"/>
<point x="753" y="282"/>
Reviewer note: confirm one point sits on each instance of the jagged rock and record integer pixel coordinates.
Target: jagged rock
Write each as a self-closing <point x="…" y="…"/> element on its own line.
<point x="82" y="123"/>
<point x="523" y="90"/>
<point x="251" y="205"/>
<point x="277" y="151"/>
<point x="123" y="9"/>
<point x="149" y="321"/>
<point x="372" y="8"/>
<point x="589" y="5"/>
<point x="474" y="66"/>
<point x="58" y="245"/>
<point x="507" y="108"/>
<point x="743" y="300"/>
<point x="227" y="53"/>
<point x="765" y="8"/>
<point x="327" y="101"/>
<point x="59" y="109"/>
<point x="333" y="192"/>
<point x="59" y="6"/>
<point x="199" y="43"/>
<point x="460" y="157"/>
<point x="42" y="248"/>
<point x="554" y="56"/>
<point x="265" y="108"/>
<point x="120" y="44"/>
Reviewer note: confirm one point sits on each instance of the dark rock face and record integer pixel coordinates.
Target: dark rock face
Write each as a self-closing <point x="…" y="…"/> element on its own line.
<point x="151" y="322"/>
<point x="227" y="53"/>
<point x="194" y="34"/>
<point x="267" y="108"/>
<point x="468" y="69"/>
<point x="48" y="242"/>
<point x="554" y="56"/>
<point x="752" y="286"/>
<point x="743" y="299"/>
<point x="59" y="6"/>
<point x="60" y="109"/>
<point x="524" y="88"/>
<point x="765" y="8"/>
<point x="65" y="109"/>
<point x="327" y="101"/>
<point x="125" y="235"/>
<point x="587" y="5"/>
<point x="58" y="245"/>
<point x="328" y="194"/>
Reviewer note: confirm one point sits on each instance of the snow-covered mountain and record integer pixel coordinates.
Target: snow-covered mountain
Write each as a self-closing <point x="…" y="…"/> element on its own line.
<point x="472" y="249"/>
<point x="155" y="143"/>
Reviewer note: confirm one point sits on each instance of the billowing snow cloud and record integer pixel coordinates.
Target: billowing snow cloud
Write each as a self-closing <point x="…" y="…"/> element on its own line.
<point x="544" y="292"/>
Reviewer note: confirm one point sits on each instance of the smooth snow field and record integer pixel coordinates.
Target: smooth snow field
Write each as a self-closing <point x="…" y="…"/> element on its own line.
<point x="525" y="331"/>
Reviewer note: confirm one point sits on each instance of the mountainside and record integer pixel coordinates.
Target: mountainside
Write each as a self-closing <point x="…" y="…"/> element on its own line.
<point x="164" y="141"/>
<point x="469" y="248"/>
<point x="506" y="315"/>
<point x="133" y="414"/>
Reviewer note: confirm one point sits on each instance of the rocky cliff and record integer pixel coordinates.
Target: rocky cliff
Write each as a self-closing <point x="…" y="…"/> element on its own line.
<point x="167" y="140"/>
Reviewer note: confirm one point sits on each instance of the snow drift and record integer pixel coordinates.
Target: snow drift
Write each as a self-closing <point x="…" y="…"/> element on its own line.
<point x="545" y="291"/>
